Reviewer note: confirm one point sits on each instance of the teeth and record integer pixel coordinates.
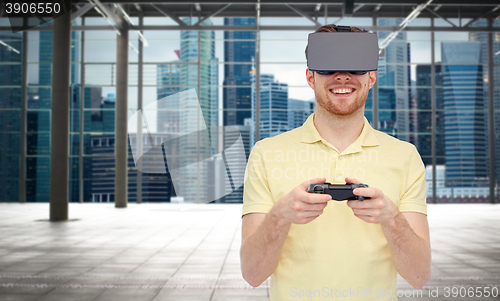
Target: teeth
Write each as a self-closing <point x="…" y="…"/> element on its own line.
<point x="344" y="90"/>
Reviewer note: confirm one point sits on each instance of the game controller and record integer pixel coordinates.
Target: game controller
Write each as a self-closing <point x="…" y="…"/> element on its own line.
<point x="339" y="192"/>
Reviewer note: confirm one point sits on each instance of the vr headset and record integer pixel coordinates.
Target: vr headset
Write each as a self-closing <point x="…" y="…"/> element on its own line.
<point x="331" y="52"/>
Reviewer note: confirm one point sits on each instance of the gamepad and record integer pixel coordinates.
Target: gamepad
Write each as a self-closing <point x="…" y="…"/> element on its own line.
<point x="339" y="192"/>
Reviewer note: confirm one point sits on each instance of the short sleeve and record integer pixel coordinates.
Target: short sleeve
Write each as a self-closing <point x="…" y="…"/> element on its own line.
<point x="414" y="198"/>
<point x="256" y="194"/>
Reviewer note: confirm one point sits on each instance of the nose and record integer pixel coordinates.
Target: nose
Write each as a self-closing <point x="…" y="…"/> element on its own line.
<point x="343" y="76"/>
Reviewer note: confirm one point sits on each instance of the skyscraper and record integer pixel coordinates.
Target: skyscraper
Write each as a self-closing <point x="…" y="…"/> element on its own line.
<point x="273" y="107"/>
<point x="177" y="117"/>
<point x="97" y="120"/>
<point x="100" y="147"/>
<point x="208" y="77"/>
<point x="238" y="167"/>
<point x="239" y="50"/>
<point x="298" y="111"/>
<point x="424" y="114"/>
<point x="99" y="164"/>
<point x="10" y="120"/>
<point x="198" y="47"/>
<point x="38" y="151"/>
<point x="482" y="37"/>
<point x="393" y="78"/>
<point x="464" y="114"/>
<point x="168" y="79"/>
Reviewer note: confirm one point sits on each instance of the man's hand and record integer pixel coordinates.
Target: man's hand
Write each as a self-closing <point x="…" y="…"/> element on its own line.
<point x="407" y="233"/>
<point x="263" y="235"/>
<point x="300" y="206"/>
<point x="378" y="209"/>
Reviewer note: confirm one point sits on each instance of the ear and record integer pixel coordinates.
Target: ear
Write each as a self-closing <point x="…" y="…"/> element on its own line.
<point x="310" y="78"/>
<point x="373" y="78"/>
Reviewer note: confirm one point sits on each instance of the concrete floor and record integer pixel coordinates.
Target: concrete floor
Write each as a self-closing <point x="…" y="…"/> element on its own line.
<point x="157" y="252"/>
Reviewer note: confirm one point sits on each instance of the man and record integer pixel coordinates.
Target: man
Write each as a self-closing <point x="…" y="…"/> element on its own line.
<point x="321" y="249"/>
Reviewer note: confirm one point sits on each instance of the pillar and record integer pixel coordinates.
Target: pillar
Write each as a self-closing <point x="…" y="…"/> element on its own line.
<point x="59" y="139"/>
<point x="121" y="165"/>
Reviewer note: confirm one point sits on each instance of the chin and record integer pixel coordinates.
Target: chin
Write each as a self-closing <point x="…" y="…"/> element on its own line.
<point x="342" y="113"/>
<point x="343" y="110"/>
<point x="342" y="107"/>
<point x="350" y="110"/>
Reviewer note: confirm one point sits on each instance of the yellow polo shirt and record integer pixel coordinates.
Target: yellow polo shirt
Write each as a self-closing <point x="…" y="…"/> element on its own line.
<point x="337" y="256"/>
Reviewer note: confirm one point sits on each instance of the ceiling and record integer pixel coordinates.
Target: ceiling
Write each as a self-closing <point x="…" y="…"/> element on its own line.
<point x="294" y="8"/>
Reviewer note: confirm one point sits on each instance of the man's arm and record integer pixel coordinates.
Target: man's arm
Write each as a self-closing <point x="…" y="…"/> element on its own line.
<point x="408" y="238"/>
<point x="263" y="234"/>
<point x="407" y="233"/>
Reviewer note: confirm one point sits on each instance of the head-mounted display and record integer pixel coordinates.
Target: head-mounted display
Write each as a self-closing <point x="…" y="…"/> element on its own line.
<point x="330" y="52"/>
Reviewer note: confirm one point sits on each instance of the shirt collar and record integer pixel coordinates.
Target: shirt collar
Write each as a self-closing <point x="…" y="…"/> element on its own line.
<point x="367" y="138"/>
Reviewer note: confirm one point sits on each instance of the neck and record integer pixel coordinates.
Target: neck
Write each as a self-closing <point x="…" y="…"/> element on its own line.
<point x="339" y="131"/>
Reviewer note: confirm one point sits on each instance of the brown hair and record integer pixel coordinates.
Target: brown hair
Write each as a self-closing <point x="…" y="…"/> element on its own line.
<point x="333" y="28"/>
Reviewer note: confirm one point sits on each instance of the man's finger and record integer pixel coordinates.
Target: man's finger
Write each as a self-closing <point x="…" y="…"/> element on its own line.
<point x="310" y="219"/>
<point x="315" y="207"/>
<point x="352" y="180"/>
<point x="306" y="184"/>
<point x="364" y="212"/>
<point x="366" y="192"/>
<point x="316" y="198"/>
<point x="355" y="204"/>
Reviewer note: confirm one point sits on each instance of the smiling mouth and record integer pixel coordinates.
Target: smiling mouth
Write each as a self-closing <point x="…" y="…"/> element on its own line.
<point x="342" y="91"/>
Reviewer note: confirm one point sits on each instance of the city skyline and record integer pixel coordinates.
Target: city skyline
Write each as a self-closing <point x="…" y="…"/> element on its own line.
<point x="396" y="94"/>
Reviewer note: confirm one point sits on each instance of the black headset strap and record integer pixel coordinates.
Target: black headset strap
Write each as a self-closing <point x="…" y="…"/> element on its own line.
<point x="341" y="28"/>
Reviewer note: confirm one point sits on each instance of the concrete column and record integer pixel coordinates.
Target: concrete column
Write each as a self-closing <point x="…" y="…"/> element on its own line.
<point x="326" y="13"/>
<point x="121" y="117"/>
<point x="59" y="140"/>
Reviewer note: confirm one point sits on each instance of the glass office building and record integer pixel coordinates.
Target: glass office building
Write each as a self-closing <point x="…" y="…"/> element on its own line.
<point x="464" y="114"/>
<point x="10" y="113"/>
<point x="239" y="51"/>
<point x="273" y="106"/>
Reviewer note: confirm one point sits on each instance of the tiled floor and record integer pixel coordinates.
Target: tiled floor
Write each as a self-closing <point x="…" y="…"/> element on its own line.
<point x="157" y="252"/>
